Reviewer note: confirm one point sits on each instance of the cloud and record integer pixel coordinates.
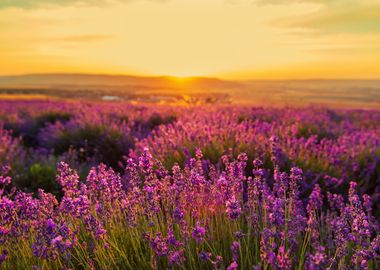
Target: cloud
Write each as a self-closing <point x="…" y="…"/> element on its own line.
<point x="287" y="2"/>
<point x="261" y="3"/>
<point x="73" y="42"/>
<point x="337" y="17"/>
<point x="37" y="3"/>
<point x="29" y="4"/>
<point x="82" y="38"/>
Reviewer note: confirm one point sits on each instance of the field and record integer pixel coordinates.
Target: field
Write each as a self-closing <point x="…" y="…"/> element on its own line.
<point x="112" y="185"/>
<point x="356" y="94"/>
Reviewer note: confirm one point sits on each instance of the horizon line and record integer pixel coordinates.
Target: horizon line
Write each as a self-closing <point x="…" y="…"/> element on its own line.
<point x="226" y="78"/>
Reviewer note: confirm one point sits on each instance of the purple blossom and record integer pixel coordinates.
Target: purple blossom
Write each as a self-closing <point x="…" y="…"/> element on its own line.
<point x="68" y="179"/>
<point x="315" y="199"/>
<point x="204" y="256"/>
<point x="283" y="260"/>
<point x="178" y="214"/>
<point x="3" y="256"/>
<point x="233" y="266"/>
<point x="235" y="247"/>
<point x="233" y="208"/>
<point x="198" y="233"/>
<point x="176" y="257"/>
<point x="5" y="180"/>
<point x="318" y="259"/>
<point x="159" y="245"/>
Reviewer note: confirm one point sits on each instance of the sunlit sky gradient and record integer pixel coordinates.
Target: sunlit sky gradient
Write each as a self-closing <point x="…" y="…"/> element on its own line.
<point x="262" y="39"/>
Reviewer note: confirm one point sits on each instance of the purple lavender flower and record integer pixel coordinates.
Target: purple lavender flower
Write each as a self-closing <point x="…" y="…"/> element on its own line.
<point x="172" y="240"/>
<point x="233" y="266"/>
<point x="318" y="259"/>
<point x="360" y="225"/>
<point x="5" y="180"/>
<point x="257" y="163"/>
<point x="199" y="154"/>
<point x="158" y="244"/>
<point x="283" y="260"/>
<point x="68" y="179"/>
<point x="145" y="161"/>
<point x="178" y="214"/>
<point x="235" y="247"/>
<point x="204" y="256"/>
<point x="239" y="235"/>
<point x="233" y="208"/>
<point x="198" y="233"/>
<point x="3" y="256"/>
<point x="100" y="233"/>
<point x="176" y="257"/>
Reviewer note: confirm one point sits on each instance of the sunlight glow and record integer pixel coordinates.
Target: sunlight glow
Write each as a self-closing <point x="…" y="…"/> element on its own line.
<point x="234" y="38"/>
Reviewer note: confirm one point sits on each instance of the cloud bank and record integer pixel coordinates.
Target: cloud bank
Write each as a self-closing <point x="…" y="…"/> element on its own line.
<point x="335" y="16"/>
<point x="30" y="4"/>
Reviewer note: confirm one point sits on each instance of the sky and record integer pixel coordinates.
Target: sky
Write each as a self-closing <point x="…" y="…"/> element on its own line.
<point x="239" y="39"/>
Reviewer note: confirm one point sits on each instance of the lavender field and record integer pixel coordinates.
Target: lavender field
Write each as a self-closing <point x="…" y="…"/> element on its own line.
<point x="97" y="185"/>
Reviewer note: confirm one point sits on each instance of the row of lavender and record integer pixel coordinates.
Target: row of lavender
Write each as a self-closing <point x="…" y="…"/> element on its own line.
<point x="35" y="135"/>
<point x="332" y="147"/>
<point x="219" y="210"/>
<point x="194" y="217"/>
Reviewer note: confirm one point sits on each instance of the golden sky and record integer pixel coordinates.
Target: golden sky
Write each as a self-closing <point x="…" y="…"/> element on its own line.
<point x="262" y="39"/>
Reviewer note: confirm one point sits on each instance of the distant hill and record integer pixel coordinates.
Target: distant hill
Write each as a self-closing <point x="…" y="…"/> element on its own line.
<point x="333" y="93"/>
<point x="89" y="80"/>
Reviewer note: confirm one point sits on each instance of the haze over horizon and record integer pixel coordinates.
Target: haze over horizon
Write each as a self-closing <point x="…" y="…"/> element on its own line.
<point x="228" y="39"/>
<point x="186" y="78"/>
